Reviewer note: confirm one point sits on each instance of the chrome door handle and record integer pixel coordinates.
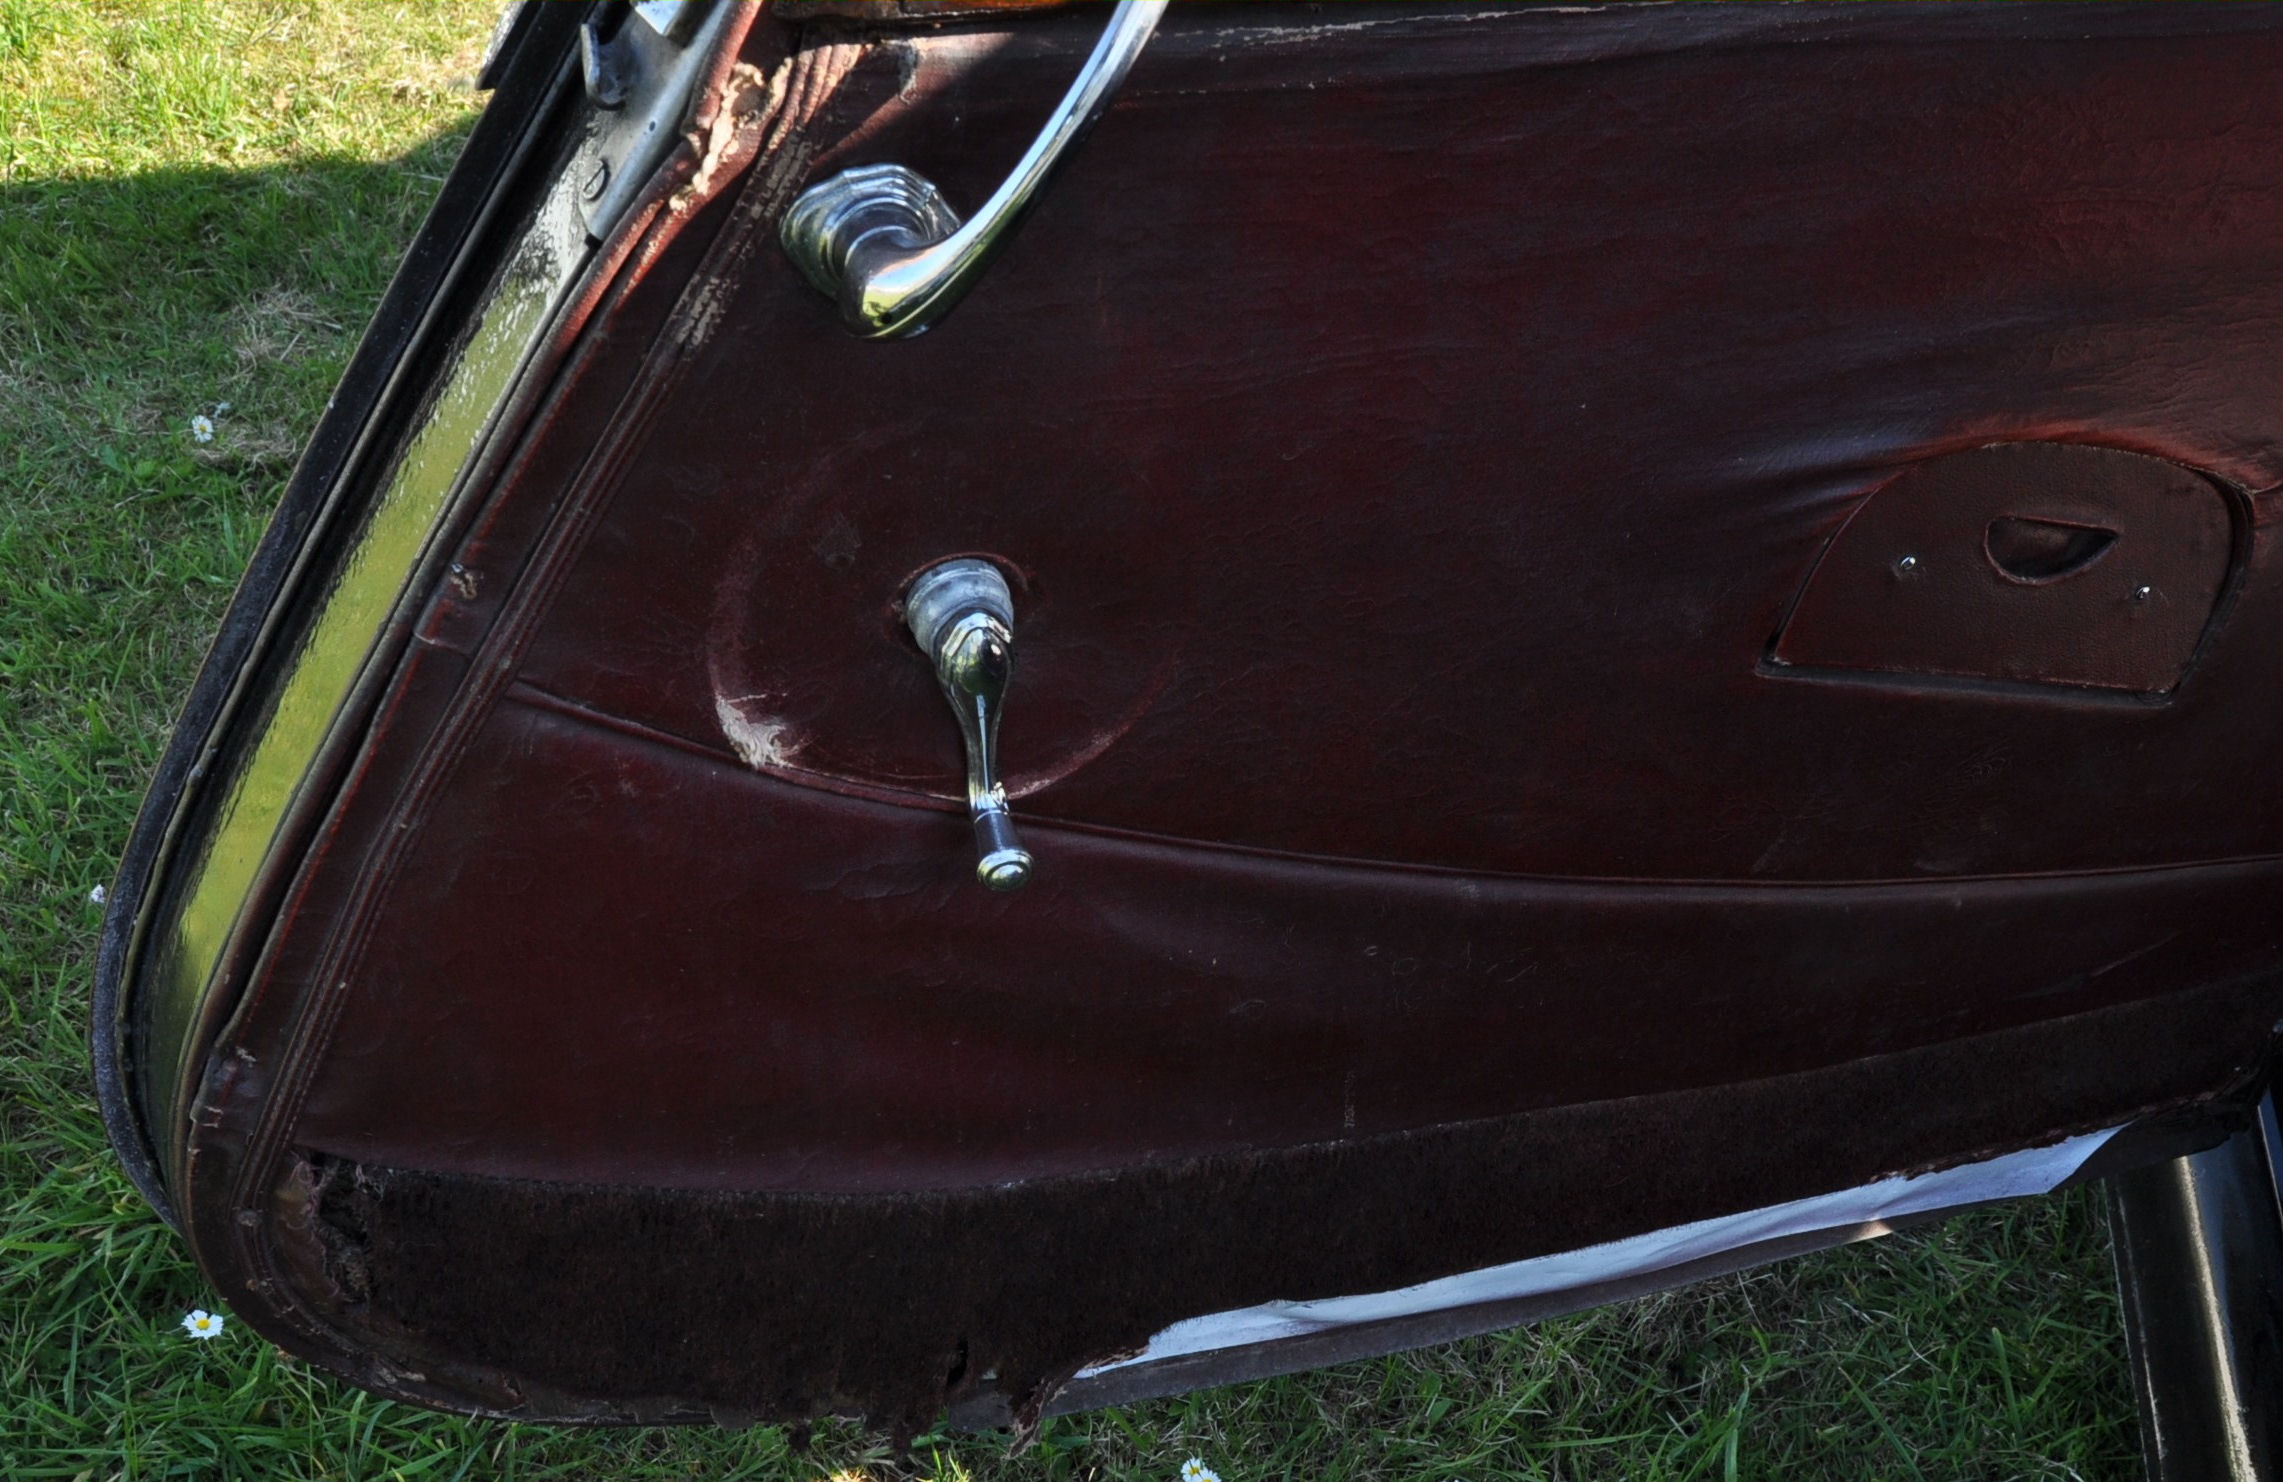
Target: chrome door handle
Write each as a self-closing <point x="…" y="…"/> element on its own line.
<point x="883" y="242"/>
<point x="964" y="618"/>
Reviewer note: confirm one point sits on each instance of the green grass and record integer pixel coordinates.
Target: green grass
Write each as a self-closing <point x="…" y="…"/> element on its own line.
<point x="199" y="205"/>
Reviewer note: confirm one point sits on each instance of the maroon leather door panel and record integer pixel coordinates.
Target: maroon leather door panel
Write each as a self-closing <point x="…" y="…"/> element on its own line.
<point x="1408" y="432"/>
<point x="821" y="998"/>
<point x="1423" y="480"/>
<point x="1330" y="591"/>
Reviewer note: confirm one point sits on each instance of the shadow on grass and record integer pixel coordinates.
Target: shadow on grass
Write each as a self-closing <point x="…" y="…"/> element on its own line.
<point x="182" y="283"/>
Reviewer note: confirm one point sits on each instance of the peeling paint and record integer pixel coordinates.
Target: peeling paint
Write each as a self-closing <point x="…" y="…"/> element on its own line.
<point x="747" y="99"/>
<point x="762" y="743"/>
<point x="761" y="119"/>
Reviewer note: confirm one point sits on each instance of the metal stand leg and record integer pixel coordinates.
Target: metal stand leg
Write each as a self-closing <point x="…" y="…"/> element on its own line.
<point x="2199" y="1253"/>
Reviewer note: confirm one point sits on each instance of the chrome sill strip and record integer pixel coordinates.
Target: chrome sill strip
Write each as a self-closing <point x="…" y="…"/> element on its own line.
<point x="1861" y="1213"/>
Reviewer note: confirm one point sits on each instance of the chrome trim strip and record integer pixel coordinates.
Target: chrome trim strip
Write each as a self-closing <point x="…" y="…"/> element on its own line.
<point x="217" y="922"/>
<point x="1866" y="1211"/>
<point x="380" y="376"/>
<point x="341" y="651"/>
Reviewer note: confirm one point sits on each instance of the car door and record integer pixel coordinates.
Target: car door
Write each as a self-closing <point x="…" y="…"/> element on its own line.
<point x="1603" y="643"/>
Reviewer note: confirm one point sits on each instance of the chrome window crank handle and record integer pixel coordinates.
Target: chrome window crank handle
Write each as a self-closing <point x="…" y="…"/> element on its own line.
<point x="964" y="618"/>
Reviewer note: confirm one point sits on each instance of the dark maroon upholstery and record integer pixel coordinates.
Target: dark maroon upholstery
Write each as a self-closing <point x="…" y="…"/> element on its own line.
<point x="1410" y="431"/>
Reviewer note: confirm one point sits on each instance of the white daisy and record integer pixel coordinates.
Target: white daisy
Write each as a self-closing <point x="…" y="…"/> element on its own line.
<point x="202" y="428"/>
<point x="1195" y="1470"/>
<point x="203" y="1325"/>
